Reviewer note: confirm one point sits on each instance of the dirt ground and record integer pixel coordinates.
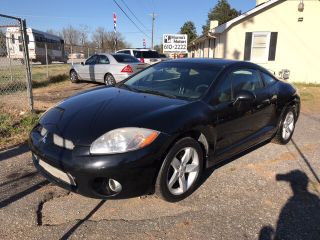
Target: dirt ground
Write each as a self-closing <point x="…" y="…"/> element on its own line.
<point x="270" y="193"/>
<point x="47" y="97"/>
<point x="309" y="97"/>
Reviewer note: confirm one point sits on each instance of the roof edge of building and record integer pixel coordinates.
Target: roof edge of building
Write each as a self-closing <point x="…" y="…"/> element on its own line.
<point x="223" y="27"/>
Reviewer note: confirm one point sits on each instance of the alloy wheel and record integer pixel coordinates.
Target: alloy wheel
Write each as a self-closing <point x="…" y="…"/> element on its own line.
<point x="288" y="125"/>
<point x="73" y="76"/>
<point x="183" y="171"/>
<point x="109" y="80"/>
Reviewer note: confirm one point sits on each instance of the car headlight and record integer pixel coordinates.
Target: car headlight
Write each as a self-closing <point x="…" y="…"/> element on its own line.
<point x="123" y="140"/>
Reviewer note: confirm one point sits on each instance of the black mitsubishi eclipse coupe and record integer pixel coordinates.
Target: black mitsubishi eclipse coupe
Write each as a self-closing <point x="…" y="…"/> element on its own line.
<point x="159" y="129"/>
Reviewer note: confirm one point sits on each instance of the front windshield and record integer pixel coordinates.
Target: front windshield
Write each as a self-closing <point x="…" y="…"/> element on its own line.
<point x="187" y="81"/>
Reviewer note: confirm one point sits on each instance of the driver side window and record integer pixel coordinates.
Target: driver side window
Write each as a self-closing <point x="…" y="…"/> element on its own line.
<point x="245" y="79"/>
<point x="224" y="92"/>
<point x="92" y="60"/>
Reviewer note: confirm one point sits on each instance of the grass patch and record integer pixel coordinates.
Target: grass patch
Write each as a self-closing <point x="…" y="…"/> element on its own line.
<point x="306" y="96"/>
<point x="51" y="80"/>
<point x="301" y="85"/>
<point x="14" y="79"/>
<point x="57" y="73"/>
<point x="15" y="128"/>
<point x="309" y="94"/>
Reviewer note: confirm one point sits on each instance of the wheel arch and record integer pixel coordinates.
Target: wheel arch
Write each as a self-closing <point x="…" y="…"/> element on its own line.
<point x="72" y="69"/>
<point x="107" y="73"/>
<point x="197" y="135"/>
<point x="295" y="103"/>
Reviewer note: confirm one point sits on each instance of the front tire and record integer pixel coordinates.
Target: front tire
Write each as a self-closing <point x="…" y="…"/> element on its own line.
<point x="287" y="126"/>
<point x="109" y="80"/>
<point x="181" y="170"/>
<point x="74" y="77"/>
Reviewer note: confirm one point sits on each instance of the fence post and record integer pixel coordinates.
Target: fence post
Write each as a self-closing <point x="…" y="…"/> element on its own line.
<point x="71" y="55"/>
<point x="8" y="50"/>
<point x="23" y="29"/>
<point x="46" y="49"/>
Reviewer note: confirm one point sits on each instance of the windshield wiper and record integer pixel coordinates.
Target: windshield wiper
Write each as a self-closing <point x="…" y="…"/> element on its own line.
<point x="156" y="93"/>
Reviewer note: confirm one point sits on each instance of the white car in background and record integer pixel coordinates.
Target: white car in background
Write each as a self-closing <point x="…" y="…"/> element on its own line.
<point x="144" y="55"/>
<point x="106" y="68"/>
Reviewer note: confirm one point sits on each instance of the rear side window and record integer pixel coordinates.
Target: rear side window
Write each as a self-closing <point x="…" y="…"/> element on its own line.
<point x="268" y="80"/>
<point x="146" y="54"/>
<point x="125" y="58"/>
<point x="103" y="59"/>
<point x="245" y="79"/>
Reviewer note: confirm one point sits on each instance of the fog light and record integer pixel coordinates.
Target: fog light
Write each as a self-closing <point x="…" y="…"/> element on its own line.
<point x="114" y="185"/>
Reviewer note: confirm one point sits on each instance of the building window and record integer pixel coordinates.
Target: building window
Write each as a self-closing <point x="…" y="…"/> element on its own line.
<point x="260" y="47"/>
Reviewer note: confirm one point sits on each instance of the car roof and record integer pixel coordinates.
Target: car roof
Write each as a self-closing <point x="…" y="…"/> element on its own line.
<point x="211" y="61"/>
<point x="215" y="62"/>
<point x="138" y="49"/>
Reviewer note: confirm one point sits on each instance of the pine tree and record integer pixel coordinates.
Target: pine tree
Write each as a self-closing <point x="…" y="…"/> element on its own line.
<point x="222" y="12"/>
<point x="189" y="29"/>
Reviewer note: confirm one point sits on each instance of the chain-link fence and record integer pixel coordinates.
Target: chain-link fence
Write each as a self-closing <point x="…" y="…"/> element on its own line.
<point x="15" y="74"/>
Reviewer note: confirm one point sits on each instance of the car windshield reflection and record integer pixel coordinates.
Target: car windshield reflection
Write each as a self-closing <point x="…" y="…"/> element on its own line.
<point x="183" y="81"/>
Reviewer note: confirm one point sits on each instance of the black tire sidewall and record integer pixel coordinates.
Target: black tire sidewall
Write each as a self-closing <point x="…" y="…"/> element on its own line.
<point x="161" y="183"/>
<point x="76" y="80"/>
<point x="112" y="80"/>
<point x="289" y="109"/>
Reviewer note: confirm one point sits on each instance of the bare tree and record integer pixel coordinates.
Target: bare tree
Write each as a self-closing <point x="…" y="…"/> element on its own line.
<point x="121" y="43"/>
<point x="83" y="34"/>
<point x="105" y="40"/>
<point x="99" y="37"/>
<point x="71" y="35"/>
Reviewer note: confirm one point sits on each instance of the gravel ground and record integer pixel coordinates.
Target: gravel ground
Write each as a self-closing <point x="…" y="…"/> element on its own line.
<point x="270" y="193"/>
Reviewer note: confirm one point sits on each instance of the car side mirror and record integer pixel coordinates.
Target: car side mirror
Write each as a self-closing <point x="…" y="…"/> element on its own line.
<point x="82" y="63"/>
<point x="244" y="97"/>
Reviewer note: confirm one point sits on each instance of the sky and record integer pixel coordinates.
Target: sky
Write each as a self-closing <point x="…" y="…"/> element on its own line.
<point x="170" y="15"/>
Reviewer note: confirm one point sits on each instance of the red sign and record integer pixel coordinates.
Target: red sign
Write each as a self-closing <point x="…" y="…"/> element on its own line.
<point x="114" y="17"/>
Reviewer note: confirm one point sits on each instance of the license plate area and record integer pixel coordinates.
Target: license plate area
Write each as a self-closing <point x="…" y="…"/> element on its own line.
<point x="67" y="178"/>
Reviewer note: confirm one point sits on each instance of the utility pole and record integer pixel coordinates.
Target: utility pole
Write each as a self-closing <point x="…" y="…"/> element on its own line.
<point x="153" y="15"/>
<point x="153" y="18"/>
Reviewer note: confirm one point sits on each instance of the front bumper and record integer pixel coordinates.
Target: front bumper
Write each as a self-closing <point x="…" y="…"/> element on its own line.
<point x="136" y="171"/>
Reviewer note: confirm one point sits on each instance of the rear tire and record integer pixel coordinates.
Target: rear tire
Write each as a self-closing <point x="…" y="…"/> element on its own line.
<point x="286" y="127"/>
<point x="109" y="80"/>
<point x="180" y="171"/>
<point x="74" y="76"/>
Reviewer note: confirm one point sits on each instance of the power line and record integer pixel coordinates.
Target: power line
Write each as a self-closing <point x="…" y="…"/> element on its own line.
<point x="134" y="15"/>
<point x="130" y="19"/>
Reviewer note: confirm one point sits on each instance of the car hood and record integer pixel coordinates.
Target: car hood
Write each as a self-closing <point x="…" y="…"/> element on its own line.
<point x="85" y="117"/>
